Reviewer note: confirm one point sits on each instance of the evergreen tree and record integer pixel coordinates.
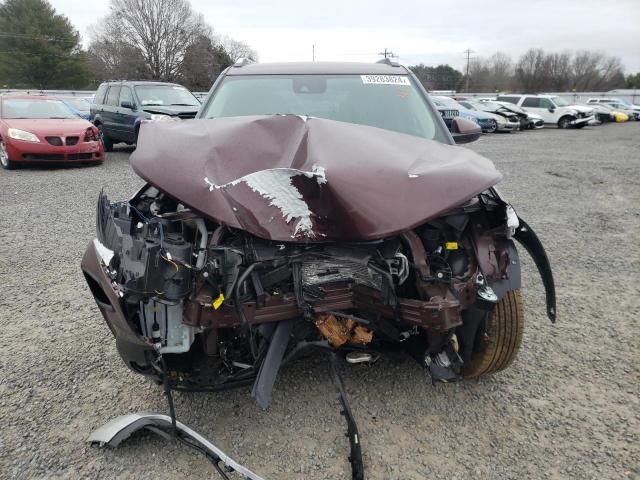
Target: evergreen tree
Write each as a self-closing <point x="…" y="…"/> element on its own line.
<point x="39" y="48"/>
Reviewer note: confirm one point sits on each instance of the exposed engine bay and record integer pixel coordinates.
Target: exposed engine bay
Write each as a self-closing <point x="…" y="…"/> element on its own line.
<point x="321" y="237"/>
<point x="209" y="298"/>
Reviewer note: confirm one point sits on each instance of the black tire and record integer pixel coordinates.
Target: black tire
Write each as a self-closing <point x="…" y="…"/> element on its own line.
<point x="106" y="141"/>
<point x="581" y="125"/>
<point x="493" y="128"/>
<point x="502" y="338"/>
<point x="565" y="122"/>
<point x="4" y="158"/>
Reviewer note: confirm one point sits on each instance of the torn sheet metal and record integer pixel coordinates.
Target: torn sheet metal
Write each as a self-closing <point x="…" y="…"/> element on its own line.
<point x="120" y="428"/>
<point x="277" y="186"/>
<point x="282" y="177"/>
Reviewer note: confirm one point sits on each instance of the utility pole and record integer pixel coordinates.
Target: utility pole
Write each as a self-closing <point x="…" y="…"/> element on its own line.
<point x="313" y="53"/>
<point x="468" y="52"/>
<point x="388" y="53"/>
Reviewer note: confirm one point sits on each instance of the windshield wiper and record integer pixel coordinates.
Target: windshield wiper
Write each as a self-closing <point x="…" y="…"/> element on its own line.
<point x="184" y="104"/>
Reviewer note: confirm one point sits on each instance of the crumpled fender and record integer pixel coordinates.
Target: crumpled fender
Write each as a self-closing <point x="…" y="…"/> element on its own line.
<point x="120" y="428"/>
<point x="525" y="235"/>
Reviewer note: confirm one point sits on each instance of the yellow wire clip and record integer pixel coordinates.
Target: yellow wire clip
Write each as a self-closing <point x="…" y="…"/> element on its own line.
<point x="218" y="301"/>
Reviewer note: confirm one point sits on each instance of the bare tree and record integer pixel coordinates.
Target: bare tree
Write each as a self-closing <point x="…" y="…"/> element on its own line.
<point x="586" y="69"/>
<point x="160" y="30"/>
<point x="113" y="59"/>
<point x="492" y="74"/>
<point x="501" y="67"/>
<point x="556" y="74"/>
<point x="611" y="74"/>
<point x="237" y="49"/>
<point x="479" y="75"/>
<point x="529" y="68"/>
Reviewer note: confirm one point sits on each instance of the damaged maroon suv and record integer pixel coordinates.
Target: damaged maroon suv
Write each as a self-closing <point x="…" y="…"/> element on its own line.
<point x="311" y="207"/>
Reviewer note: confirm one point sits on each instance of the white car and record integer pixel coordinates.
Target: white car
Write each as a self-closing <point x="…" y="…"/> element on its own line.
<point x="620" y="104"/>
<point x="553" y="109"/>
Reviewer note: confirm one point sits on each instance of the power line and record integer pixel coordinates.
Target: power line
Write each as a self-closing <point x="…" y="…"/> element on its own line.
<point x="20" y="52"/>
<point x="24" y="36"/>
<point x="388" y="53"/>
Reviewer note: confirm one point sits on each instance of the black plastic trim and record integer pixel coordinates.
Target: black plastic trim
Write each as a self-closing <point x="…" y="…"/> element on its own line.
<point x="530" y="241"/>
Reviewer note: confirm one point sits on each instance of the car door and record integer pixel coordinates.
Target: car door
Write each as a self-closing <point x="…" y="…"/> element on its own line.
<point x="109" y="112"/>
<point x="126" y="115"/>
<point x="534" y="105"/>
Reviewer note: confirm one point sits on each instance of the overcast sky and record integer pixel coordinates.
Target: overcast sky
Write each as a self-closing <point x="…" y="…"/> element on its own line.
<point x="426" y="31"/>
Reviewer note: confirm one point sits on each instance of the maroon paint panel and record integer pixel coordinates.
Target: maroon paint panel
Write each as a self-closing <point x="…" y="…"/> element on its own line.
<point x="289" y="178"/>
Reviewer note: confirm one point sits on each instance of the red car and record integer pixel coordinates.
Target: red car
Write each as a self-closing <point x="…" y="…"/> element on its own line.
<point x="41" y="129"/>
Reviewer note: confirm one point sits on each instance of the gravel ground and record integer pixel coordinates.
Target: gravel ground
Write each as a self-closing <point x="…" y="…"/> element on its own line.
<point x="567" y="408"/>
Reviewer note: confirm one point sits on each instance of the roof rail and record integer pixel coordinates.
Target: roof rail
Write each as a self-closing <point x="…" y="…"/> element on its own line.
<point x="388" y="61"/>
<point x="242" y="61"/>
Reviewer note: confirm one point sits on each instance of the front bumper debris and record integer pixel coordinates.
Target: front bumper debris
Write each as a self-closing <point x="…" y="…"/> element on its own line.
<point x="583" y="120"/>
<point x="120" y="428"/>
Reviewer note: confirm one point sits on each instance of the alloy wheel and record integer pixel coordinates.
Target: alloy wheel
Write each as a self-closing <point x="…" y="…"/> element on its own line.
<point x="565" y="122"/>
<point x="4" y="156"/>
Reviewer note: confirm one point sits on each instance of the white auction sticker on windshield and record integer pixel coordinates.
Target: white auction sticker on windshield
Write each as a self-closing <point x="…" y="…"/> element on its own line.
<point x="385" y="80"/>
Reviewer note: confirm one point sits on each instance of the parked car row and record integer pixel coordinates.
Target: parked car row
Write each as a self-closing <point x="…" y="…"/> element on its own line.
<point x="510" y="112"/>
<point x="36" y="129"/>
<point x="39" y="128"/>
<point x="618" y="105"/>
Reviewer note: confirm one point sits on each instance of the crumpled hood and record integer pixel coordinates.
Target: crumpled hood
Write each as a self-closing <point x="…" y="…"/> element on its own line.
<point x="289" y="178"/>
<point x="582" y="108"/>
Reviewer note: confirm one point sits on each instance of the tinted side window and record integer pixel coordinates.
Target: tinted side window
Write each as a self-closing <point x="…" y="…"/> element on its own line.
<point x="112" y="95"/>
<point x="99" y="98"/>
<point x="513" y="100"/>
<point x="531" y="102"/>
<point x="546" y="103"/>
<point x="126" y="95"/>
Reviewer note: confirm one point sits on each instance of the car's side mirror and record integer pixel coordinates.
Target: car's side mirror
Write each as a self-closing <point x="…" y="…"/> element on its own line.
<point x="465" y="131"/>
<point x="126" y="104"/>
<point x="551" y="109"/>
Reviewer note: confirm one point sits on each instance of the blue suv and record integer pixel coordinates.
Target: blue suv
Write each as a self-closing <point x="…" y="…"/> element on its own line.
<point x="120" y="106"/>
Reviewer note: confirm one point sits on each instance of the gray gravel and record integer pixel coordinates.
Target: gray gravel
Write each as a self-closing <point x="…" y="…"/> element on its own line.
<point x="567" y="408"/>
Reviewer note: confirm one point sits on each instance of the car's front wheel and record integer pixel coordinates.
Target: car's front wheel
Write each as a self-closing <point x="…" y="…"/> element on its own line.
<point x="4" y="157"/>
<point x="564" y="122"/>
<point x="493" y="126"/>
<point x="500" y="341"/>
<point x="106" y="140"/>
